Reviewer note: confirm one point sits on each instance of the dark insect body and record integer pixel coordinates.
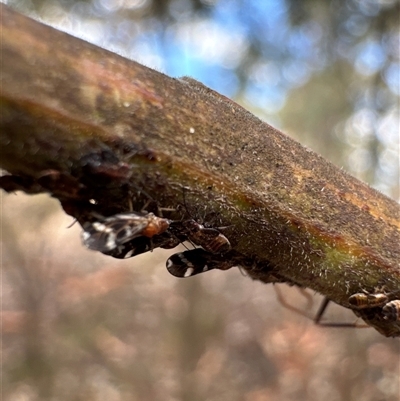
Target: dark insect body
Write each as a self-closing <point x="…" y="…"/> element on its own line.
<point x="195" y="261"/>
<point x="391" y="311"/>
<point x="143" y="244"/>
<point x="210" y="239"/>
<point x="363" y="300"/>
<point x="109" y="233"/>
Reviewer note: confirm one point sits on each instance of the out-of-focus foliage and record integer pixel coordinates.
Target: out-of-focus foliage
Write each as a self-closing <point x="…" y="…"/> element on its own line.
<point x="78" y="325"/>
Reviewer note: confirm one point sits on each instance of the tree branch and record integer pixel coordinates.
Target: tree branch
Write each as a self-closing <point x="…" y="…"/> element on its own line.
<point x="83" y="123"/>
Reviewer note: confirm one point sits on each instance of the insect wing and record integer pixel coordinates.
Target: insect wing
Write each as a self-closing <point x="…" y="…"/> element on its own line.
<point x="106" y="235"/>
<point x="131" y="248"/>
<point x="98" y="237"/>
<point x="143" y="244"/>
<point x="189" y="263"/>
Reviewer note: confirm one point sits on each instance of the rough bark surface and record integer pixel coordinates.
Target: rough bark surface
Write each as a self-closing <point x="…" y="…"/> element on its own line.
<point x="82" y="123"/>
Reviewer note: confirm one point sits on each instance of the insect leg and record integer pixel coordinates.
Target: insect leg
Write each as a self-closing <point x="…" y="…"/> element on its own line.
<point x="317" y="320"/>
<point x="318" y="317"/>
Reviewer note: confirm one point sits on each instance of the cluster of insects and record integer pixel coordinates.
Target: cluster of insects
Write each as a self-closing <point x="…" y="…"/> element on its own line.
<point x="364" y="301"/>
<point x="125" y="235"/>
<point x="367" y="306"/>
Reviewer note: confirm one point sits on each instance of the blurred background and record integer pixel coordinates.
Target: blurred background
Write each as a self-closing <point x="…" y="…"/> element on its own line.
<point x="78" y="325"/>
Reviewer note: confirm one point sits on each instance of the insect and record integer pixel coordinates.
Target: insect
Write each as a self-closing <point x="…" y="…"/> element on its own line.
<point x="143" y="244"/>
<point x="210" y="239"/>
<point x="125" y="235"/>
<point x="109" y="233"/>
<point x="362" y="300"/>
<point x="195" y="261"/>
<point x="391" y="311"/>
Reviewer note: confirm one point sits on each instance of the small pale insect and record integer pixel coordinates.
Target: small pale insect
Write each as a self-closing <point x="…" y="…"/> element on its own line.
<point x="391" y="311"/>
<point x="195" y="261"/>
<point x="210" y="239"/>
<point x="362" y="300"/>
<point x="111" y="232"/>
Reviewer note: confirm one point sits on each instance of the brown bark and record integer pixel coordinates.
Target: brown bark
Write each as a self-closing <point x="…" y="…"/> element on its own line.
<point x="83" y="123"/>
